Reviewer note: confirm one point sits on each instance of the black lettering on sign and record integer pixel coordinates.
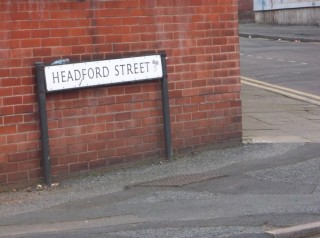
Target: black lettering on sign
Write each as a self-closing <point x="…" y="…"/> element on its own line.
<point x="129" y="69"/>
<point x="136" y="68"/>
<point x="63" y="75"/>
<point x="122" y="69"/>
<point x="105" y="71"/>
<point x="147" y="64"/>
<point x="70" y="76"/>
<point x="91" y="73"/>
<point x="77" y="75"/>
<point x="55" y="77"/>
<point x="142" y="68"/>
<point x="117" y="70"/>
<point x="83" y="74"/>
<point x="98" y="72"/>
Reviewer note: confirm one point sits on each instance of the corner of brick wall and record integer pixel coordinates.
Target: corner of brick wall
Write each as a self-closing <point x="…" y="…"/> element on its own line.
<point x="246" y="13"/>
<point x="101" y="127"/>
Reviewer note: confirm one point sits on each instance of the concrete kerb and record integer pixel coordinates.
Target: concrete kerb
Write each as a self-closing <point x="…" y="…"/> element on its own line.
<point x="293" y="39"/>
<point x="291" y="93"/>
<point x="300" y="231"/>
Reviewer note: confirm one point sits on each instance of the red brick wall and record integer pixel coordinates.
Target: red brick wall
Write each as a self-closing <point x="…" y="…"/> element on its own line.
<point x="100" y="127"/>
<point x="246" y="12"/>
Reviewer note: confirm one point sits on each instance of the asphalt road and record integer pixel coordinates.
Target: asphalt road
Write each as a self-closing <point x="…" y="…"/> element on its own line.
<point x="233" y="193"/>
<point x="293" y="65"/>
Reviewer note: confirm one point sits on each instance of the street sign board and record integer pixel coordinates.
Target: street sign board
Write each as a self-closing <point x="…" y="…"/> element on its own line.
<point x="104" y="72"/>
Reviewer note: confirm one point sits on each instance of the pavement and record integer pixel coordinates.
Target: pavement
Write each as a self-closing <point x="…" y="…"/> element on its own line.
<point x="270" y="115"/>
<point x="267" y="187"/>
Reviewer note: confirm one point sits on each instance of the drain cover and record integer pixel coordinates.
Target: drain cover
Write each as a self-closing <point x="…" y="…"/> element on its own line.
<point x="179" y="180"/>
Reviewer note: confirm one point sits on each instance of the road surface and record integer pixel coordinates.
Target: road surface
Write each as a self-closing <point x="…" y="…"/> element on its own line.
<point x="293" y="65"/>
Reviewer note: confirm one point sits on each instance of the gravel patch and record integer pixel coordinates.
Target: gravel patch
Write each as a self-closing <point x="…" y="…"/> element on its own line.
<point x="300" y="173"/>
<point x="191" y="232"/>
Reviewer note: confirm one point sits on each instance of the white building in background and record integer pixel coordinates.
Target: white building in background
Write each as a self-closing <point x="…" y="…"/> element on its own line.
<point x="301" y="12"/>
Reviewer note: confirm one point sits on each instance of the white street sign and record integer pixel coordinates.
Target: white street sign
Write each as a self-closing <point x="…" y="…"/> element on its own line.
<point x="105" y="72"/>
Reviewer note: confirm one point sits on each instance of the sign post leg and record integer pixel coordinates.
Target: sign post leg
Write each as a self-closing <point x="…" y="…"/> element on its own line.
<point x="165" y="108"/>
<point x="43" y="122"/>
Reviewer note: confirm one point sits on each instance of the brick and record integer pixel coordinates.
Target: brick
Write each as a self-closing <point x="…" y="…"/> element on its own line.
<point x="36" y="173"/>
<point x="67" y="122"/>
<point x="78" y="130"/>
<point x="86" y="121"/>
<point x="56" y="151"/>
<point x="16" y="138"/>
<point x="9" y="82"/>
<point x="16" y="157"/>
<point x="41" y="51"/>
<point x="132" y="124"/>
<point x="28" y="99"/>
<point x="23" y="90"/>
<point x="21" y="53"/>
<point x="116" y="160"/>
<point x="88" y="156"/>
<point x="47" y="42"/>
<point x="61" y="51"/>
<point x="35" y="154"/>
<point x="109" y="153"/>
<point x="150" y="121"/>
<point x="97" y="146"/>
<point x="123" y="98"/>
<point x="30" y="43"/>
<point x="25" y="108"/>
<point x="123" y="116"/>
<point x="125" y="150"/>
<point x="14" y="100"/>
<point x="104" y="119"/>
<point x="133" y="141"/>
<point x="101" y="163"/>
<point x="20" y="34"/>
<point x="28" y="146"/>
<point x="60" y="169"/>
<point x="68" y="159"/>
<point x="199" y="116"/>
<point x="29" y="165"/>
<point x="120" y="134"/>
<point x="57" y="133"/>
<point x="8" y="129"/>
<point x="77" y="148"/>
<point x="78" y="167"/>
<point x="26" y="127"/>
<point x="5" y="91"/>
<point x="183" y="117"/>
<point x="8" y="167"/>
<point x="3" y="139"/>
<point x="3" y="179"/>
<point x="17" y="176"/>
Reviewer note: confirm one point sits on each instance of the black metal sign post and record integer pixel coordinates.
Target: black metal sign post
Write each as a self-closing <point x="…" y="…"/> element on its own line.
<point x="165" y="107"/>
<point x="43" y="122"/>
<point x="107" y="72"/>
